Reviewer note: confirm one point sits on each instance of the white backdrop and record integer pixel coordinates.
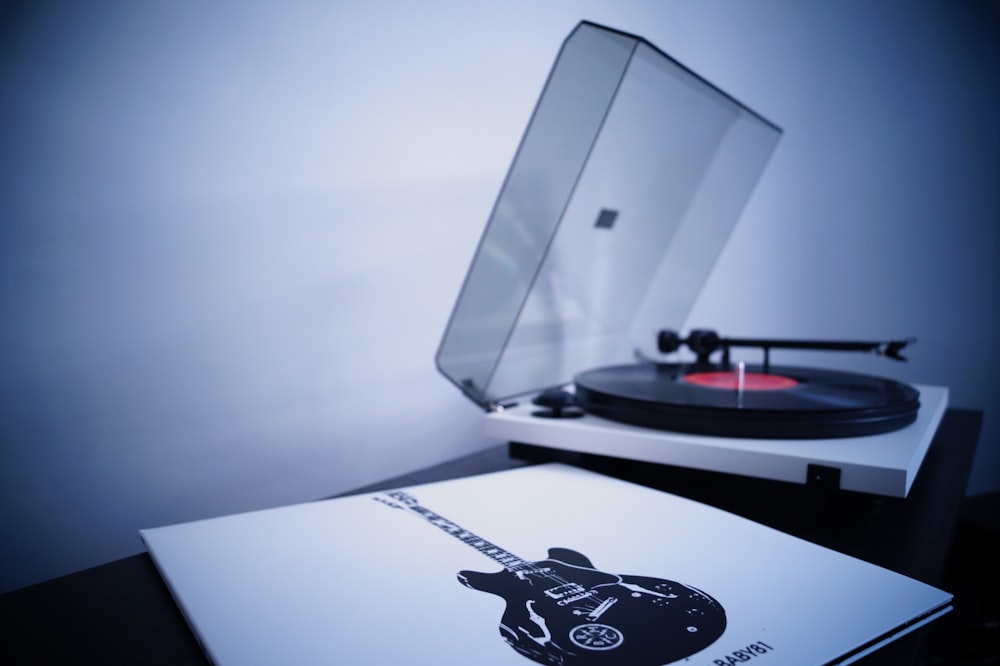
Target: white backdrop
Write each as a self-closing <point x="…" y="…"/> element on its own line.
<point x="231" y="233"/>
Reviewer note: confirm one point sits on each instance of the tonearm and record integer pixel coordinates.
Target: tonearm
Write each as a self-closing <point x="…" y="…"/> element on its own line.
<point x="705" y="342"/>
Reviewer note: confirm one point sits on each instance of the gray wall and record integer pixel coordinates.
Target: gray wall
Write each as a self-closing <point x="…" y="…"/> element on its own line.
<point x="231" y="232"/>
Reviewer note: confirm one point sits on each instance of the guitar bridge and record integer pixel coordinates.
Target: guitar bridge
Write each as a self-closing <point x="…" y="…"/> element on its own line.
<point x="599" y="611"/>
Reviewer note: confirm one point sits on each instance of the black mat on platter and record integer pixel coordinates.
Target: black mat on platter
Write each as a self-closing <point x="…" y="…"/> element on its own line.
<point x="781" y="403"/>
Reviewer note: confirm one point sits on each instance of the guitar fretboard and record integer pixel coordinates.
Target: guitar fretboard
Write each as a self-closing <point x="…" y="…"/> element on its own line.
<point x="505" y="558"/>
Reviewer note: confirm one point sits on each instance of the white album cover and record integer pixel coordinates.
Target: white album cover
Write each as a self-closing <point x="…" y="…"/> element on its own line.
<point x="547" y="564"/>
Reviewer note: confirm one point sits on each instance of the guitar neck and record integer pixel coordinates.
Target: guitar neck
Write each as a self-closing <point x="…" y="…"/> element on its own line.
<point x="505" y="558"/>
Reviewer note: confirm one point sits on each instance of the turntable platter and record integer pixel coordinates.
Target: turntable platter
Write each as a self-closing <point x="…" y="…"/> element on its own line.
<point x="782" y="403"/>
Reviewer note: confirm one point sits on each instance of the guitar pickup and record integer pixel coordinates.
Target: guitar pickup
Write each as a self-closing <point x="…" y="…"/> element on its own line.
<point x="585" y="594"/>
<point x="563" y="591"/>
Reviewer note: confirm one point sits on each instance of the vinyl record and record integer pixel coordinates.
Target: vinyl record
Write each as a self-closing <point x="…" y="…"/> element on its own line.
<point x="783" y="403"/>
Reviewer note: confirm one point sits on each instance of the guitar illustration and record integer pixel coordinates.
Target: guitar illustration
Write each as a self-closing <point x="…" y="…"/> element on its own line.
<point x="563" y="611"/>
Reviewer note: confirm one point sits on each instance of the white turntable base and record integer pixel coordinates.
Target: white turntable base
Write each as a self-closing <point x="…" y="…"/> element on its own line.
<point x="884" y="464"/>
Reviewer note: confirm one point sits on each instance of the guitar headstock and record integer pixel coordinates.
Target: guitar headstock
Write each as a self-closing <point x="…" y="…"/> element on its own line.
<point x="397" y="499"/>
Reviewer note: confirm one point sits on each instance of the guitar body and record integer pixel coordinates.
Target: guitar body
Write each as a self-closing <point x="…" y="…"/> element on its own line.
<point x="562" y="610"/>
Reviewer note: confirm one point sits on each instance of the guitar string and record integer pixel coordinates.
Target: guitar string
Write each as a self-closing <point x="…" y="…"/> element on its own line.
<point x="484" y="546"/>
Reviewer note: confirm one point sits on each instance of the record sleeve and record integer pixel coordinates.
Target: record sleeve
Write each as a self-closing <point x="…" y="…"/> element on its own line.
<point x="542" y="564"/>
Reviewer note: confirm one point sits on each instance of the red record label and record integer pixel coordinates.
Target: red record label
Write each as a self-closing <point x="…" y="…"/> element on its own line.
<point x="752" y="381"/>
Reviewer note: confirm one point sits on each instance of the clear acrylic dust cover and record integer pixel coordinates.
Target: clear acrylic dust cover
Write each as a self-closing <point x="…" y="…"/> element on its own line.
<point x="628" y="180"/>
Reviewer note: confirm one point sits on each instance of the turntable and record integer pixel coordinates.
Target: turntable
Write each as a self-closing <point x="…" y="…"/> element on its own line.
<point x="626" y="185"/>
